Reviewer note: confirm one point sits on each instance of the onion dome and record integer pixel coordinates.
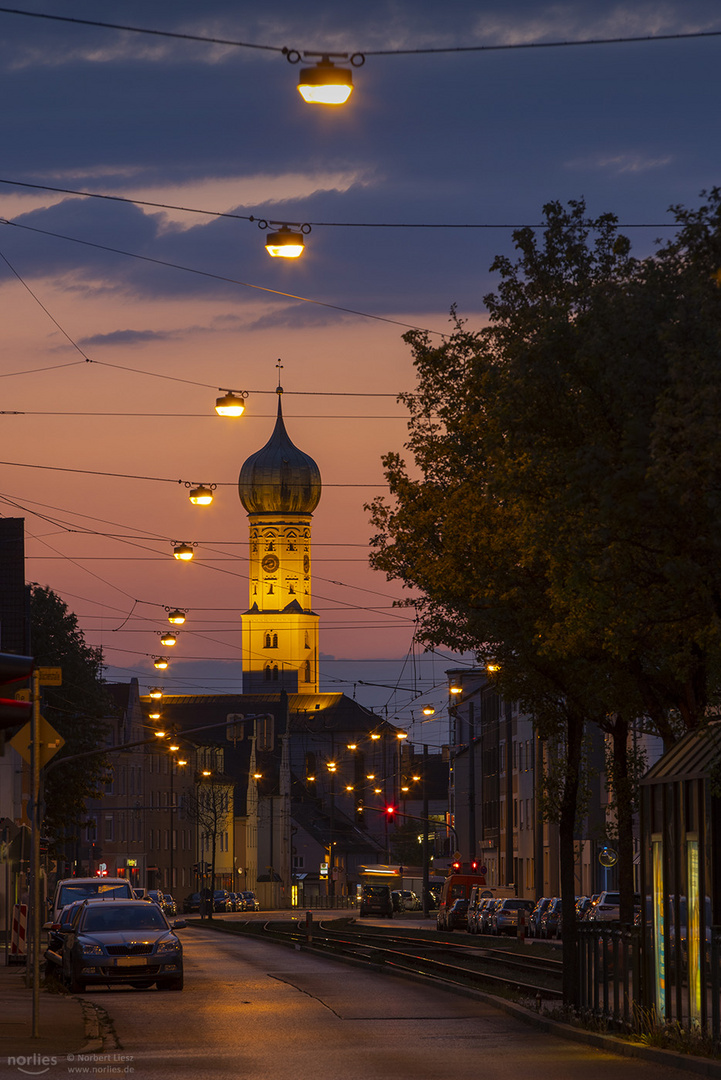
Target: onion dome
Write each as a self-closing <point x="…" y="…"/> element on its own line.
<point x="280" y="478"/>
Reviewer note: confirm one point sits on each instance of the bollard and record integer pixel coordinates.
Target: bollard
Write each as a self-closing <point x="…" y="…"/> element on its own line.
<point x="309" y="926"/>
<point x="522" y="927"/>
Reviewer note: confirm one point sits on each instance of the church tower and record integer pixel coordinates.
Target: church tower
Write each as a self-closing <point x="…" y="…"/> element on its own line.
<point x="280" y="487"/>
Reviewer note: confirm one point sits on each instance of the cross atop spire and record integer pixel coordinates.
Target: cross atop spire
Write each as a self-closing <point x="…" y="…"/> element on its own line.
<point x="280" y="368"/>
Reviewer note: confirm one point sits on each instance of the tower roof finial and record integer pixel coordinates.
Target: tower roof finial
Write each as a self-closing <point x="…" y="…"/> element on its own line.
<point x="279" y="365"/>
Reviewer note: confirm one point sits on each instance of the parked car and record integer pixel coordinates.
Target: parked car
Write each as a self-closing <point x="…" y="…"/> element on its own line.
<point x="170" y="907"/>
<point x="486" y="915"/>
<point x="250" y="900"/>
<point x="506" y="913"/>
<point x="534" y="919"/>
<point x="475" y="904"/>
<point x="122" y="941"/>
<point x="376" y="900"/>
<point x="237" y="901"/>
<point x="80" y="888"/>
<point x="155" y="896"/>
<point x="191" y="903"/>
<point x="457" y="914"/>
<point x="583" y="904"/>
<point x="222" y="901"/>
<point x="410" y="901"/>
<point x="550" y="925"/>
<point x="57" y="932"/>
<point x="397" y="900"/>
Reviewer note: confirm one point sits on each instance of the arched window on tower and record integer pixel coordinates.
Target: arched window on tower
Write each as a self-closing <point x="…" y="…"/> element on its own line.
<point x="307" y="640"/>
<point x="307" y="671"/>
<point x="267" y="673"/>
<point x="275" y="673"/>
<point x="275" y="641"/>
<point x="267" y="641"/>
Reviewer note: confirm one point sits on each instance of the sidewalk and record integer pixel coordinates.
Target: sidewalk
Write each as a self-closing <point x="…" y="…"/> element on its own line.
<point x="62" y="1020"/>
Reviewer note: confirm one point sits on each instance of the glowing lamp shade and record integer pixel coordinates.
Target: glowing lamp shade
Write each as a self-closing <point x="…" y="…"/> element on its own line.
<point x="201" y="495"/>
<point x="325" y="84"/>
<point x="173" y="746"/>
<point x="168" y="639"/>
<point x="455" y="689"/>
<point x="229" y="405"/>
<point x="160" y="663"/>
<point x="182" y="761"/>
<point x="285" y="244"/>
<point x="156" y="693"/>
<point x="428" y="710"/>
<point x="183" y="552"/>
<point x="177" y="617"/>
<point x="155" y="715"/>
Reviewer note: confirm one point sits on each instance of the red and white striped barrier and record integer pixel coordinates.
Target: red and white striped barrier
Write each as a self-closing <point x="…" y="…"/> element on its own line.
<point x="19" y="938"/>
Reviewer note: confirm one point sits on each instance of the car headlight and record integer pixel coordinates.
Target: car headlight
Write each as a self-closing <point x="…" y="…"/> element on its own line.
<point x="168" y="946"/>
<point x="92" y="950"/>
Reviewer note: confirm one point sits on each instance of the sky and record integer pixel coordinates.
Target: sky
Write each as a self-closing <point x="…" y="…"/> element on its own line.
<point x="122" y="321"/>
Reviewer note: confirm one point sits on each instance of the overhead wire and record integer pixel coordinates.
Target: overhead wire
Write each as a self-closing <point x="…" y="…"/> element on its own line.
<point x="317" y="224"/>
<point x="219" y="277"/>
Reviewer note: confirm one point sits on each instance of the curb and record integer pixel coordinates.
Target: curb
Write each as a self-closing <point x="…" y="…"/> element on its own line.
<point x="609" y="1043"/>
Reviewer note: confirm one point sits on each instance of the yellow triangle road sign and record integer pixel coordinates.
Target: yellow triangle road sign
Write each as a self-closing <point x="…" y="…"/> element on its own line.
<point x="50" y="742"/>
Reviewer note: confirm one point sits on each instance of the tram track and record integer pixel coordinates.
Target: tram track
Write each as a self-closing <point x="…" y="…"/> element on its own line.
<point x="421" y="954"/>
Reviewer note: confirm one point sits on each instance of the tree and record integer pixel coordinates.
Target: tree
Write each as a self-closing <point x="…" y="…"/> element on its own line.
<point x="209" y="805"/>
<point x="549" y="522"/>
<point x="78" y="710"/>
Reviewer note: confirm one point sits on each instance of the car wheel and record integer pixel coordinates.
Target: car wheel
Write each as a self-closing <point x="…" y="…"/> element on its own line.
<point x="140" y="985"/>
<point x="174" y="982"/>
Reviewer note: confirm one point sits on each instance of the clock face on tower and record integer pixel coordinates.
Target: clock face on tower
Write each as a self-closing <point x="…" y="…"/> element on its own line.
<point x="270" y="563"/>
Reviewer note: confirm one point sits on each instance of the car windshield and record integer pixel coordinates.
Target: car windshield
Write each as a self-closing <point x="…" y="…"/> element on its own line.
<point x="516" y="905"/>
<point x="116" y="917"/>
<point x="82" y="890"/>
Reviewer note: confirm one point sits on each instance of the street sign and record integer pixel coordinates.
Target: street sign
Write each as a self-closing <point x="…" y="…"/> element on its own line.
<point x="50" y="676"/>
<point x="50" y="742"/>
<point x="607" y="857"/>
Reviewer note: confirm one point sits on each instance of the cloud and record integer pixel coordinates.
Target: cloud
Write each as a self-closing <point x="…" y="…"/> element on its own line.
<point x="621" y="163"/>
<point x="129" y="337"/>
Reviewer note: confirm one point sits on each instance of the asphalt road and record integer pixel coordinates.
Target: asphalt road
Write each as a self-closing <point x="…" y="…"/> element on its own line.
<point x="253" y="1010"/>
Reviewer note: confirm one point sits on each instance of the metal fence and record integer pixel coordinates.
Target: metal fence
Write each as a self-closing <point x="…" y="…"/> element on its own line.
<point x="331" y="903"/>
<point x="610" y="968"/>
<point x="622" y="982"/>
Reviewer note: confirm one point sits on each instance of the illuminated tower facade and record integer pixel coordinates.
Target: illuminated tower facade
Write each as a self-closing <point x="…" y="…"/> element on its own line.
<point x="280" y="487"/>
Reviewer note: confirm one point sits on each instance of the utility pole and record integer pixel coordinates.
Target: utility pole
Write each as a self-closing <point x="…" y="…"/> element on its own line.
<point x="426" y="868"/>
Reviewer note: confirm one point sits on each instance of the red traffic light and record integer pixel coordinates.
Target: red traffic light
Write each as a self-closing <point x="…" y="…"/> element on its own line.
<point x="390" y="812"/>
<point x="457" y="867"/>
<point x="474" y="866"/>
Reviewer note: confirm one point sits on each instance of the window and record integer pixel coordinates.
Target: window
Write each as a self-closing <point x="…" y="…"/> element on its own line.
<point x="307" y="671"/>
<point x="298" y="862"/>
<point x="109" y="831"/>
<point x="267" y="641"/>
<point x="268" y="673"/>
<point x="275" y="673"/>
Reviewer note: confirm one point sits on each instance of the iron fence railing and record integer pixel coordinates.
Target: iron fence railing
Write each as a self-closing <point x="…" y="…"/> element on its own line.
<point x="328" y="903"/>
<point x="610" y="967"/>
<point x="622" y="982"/>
